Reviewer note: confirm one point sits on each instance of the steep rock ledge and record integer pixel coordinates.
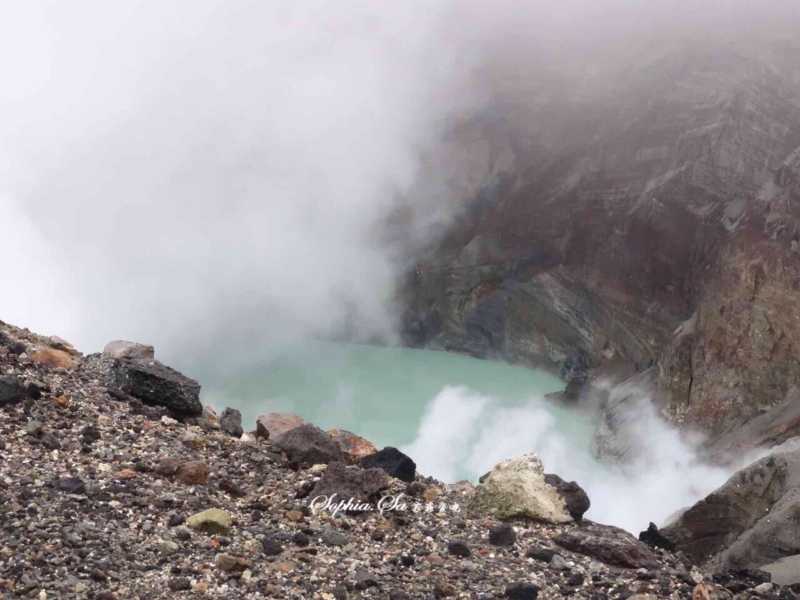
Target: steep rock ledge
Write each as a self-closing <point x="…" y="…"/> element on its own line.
<point x="663" y="231"/>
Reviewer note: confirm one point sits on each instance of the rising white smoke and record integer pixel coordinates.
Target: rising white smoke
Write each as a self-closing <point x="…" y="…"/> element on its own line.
<point x="464" y="434"/>
<point x="201" y="174"/>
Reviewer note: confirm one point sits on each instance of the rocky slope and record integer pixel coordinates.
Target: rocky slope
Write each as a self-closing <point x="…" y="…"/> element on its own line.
<point x="636" y="215"/>
<point x="116" y="483"/>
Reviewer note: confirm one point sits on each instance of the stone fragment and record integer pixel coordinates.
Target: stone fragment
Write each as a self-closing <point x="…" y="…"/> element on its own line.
<point x="12" y="391"/>
<point x="343" y="483"/>
<point x="502" y="535"/>
<point x="354" y="446"/>
<point x="575" y="498"/>
<point x="231" y="422"/>
<point x="229" y="562"/>
<point x="274" y="424"/>
<point x="53" y="358"/>
<point x="194" y="472"/>
<point x="213" y="520"/>
<point x="459" y="548"/>
<point x="522" y="591"/>
<point x="130" y="350"/>
<point x="308" y="445"/>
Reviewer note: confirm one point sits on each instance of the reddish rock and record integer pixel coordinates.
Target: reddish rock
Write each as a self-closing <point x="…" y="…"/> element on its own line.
<point x="351" y="444"/>
<point x="125" y="474"/>
<point x="53" y="358"/>
<point x="274" y="424"/>
<point x="193" y="473"/>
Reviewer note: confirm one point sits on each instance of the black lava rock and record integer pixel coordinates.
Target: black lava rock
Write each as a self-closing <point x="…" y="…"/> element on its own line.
<point x="71" y="485"/>
<point x="653" y="537"/>
<point x="542" y="554"/>
<point x="459" y="548"/>
<point x="502" y="535"/>
<point x="12" y="391"/>
<point x="393" y="462"/>
<point x="157" y="385"/>
<point x="300" y="539"/>
<point x="522" y="591"/>
<point x="271" y="546"/>
<point x="574" y="496"/>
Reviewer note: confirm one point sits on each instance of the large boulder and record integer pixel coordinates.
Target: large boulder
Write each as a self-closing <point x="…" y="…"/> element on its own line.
<point x="275" y="424"/>
<point x="308" y="445"/>
<point x="393" y="462"/>
<point x="607" y="544"/>
<point x="517" y="488"/>
<point x="752" y="520"/>
<point x="157" y="385"/>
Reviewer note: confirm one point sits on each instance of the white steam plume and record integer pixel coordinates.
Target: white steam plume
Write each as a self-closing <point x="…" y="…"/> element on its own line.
<point x="665" y="474"/>
<point x="190" y="173"/>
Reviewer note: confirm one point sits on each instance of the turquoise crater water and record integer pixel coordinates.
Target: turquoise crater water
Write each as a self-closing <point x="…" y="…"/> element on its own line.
<point x="440" y="407"/>
<point x="458" y="416"/>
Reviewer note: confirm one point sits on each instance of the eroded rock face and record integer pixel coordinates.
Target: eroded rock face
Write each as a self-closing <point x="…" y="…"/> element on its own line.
<point x="157" y="385"/>
<point x="517" y="488"/>
<point x="663" y="230"/>
<point x="752" y="520"/>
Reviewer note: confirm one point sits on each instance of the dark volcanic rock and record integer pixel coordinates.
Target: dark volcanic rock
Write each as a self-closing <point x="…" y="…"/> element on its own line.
<point x="71" y="485"/>
<point x="308" y="445"/>
<point x="541" y="554"/>
<point x="653" y="537"/>
<point x="574" y="496"/>
<point x="459" y="548"/>
<point x="158" y="385"/>
<point x="12" y="391"/>
<point x="522" y="591"/>
<point x="271" y="546"/>
<point x="393" y="462"/>
<point x="231" y="422"/>
<point x="345" y="482"/>
<point x="607" y="544"/>
<point x="502" y="535"/>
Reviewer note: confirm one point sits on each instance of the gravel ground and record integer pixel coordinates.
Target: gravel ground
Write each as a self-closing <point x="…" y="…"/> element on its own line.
<point x="96" y="495"/>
